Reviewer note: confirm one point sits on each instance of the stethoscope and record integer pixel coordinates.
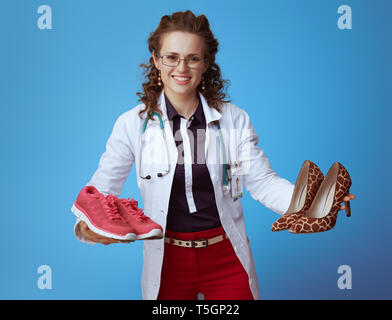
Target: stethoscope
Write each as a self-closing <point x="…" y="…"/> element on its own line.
<point x="226" y="166"/>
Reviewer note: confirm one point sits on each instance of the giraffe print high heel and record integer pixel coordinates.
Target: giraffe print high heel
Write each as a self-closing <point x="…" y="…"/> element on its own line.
<point x="323" y="212"/>
<point x="306" y="186"/>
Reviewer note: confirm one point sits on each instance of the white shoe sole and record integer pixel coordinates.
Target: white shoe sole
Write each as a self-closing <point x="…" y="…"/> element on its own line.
<point x="82" y="216"/>
<point x="152" y="235"/>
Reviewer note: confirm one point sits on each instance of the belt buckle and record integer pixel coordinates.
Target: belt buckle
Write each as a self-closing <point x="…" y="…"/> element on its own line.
<point x="193" y="243"/>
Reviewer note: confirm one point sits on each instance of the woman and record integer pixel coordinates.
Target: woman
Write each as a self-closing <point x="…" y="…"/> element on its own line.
<point x="205" y="249"/>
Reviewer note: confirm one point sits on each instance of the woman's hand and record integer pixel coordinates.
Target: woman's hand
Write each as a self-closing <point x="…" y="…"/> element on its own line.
<point x="347" y="198"/>
<point x="95" y="237"/>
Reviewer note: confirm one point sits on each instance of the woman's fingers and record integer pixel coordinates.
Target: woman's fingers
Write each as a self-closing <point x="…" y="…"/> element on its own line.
<point x="347" y="198"/>
<point x="106" y="240"/>
<point x="95" y="237"/>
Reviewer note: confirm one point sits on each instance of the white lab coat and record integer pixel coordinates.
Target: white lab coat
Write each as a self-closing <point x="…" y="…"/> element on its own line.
<point x="123" y="150"/>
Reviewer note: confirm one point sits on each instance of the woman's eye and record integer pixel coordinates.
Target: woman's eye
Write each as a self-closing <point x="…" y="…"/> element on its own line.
<point x="172" y="58"/>
<point x="195" y="59"/>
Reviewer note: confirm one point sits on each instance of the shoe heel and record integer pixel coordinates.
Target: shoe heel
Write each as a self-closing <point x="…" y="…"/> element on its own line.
<point x="348" y="209"/>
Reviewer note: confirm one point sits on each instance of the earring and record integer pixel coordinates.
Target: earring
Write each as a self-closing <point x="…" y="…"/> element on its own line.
<point x="203" y="86"/>
<point x="159" y="78"/>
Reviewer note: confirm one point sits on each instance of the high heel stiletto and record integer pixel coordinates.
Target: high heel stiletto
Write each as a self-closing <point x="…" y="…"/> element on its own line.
<point x="306" y="186"/>
<point x="348" y="209"/>
<point x="323" y="212"/>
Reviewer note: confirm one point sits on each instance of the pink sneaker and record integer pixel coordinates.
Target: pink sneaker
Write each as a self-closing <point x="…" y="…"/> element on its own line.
<point x="101" y="214"/>
<point x="144" y="227"/>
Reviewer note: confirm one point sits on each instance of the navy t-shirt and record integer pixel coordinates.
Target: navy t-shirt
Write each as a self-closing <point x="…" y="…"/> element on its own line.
<point x="179" y="218"/>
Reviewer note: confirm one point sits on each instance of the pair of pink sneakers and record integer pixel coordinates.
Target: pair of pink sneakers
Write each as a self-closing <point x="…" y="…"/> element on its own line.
<point x="113" y="217"/>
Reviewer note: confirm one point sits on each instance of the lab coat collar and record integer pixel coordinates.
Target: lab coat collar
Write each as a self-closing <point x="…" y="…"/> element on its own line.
<point x="198" y="115"/>
<point x="211" y="114"/>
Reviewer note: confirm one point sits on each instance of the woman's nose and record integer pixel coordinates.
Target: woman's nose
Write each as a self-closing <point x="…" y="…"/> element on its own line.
<point x="182" y="65"/>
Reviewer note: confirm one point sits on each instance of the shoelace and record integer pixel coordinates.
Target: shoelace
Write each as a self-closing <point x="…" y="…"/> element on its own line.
<point x="109" y="205"/>
<point x="134" y="209"/>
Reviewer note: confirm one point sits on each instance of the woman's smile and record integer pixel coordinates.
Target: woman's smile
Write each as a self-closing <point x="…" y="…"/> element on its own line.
<point x="181" y="80"/>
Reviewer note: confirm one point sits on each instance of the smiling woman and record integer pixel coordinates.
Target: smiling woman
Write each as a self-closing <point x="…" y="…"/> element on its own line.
<point x="183" y="52"/>
<point x="191" y="195"/>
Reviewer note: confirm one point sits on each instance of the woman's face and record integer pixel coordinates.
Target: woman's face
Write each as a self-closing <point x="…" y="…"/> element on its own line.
<point x="182" y="44"/>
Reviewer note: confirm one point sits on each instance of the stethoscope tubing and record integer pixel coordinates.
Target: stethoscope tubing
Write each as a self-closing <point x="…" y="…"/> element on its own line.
<point x="226" y="166"/>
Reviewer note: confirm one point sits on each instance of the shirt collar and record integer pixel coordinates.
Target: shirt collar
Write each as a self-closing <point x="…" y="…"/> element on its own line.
<point x="172" y="112"/>
<point x="211" y="114"/>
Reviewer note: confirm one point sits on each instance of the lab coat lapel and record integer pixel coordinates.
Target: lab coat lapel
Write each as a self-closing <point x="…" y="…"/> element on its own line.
<point x="173" y="153"/>
<point x="211" y="114"/>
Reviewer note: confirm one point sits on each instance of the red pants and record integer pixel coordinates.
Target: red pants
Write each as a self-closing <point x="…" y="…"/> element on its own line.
<point x="214" y="271"/>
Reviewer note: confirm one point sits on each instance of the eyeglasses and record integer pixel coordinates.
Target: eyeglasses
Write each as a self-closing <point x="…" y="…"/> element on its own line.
<point x="173" y="60"/>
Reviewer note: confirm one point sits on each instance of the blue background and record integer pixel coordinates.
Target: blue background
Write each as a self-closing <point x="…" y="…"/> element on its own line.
<point x="313" y="92"/>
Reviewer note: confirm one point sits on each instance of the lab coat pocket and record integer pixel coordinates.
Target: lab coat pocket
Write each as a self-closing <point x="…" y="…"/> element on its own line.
<point x="236" y="206"/>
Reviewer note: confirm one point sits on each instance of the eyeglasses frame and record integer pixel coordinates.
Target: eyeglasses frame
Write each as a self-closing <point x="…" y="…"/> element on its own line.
<point x="178" y="61"/>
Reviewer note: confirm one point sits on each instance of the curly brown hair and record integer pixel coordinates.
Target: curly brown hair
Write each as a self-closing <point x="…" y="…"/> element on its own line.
<point x="214" y="84"/>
